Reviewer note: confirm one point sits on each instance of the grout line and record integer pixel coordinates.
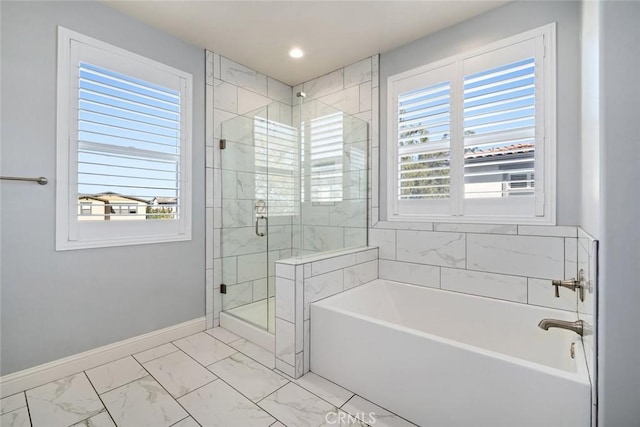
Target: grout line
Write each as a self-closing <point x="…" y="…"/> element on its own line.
<point x="175" y="399"/>
<point x="99" y="397"/>
<point x="373" y="403"/>
<point x="29" y="410"/>
<point x="188" y="416"/>
<point x="158" y="357"/>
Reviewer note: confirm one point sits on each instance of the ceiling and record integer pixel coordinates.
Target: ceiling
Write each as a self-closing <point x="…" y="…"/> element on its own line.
<point x="333" y="34"/>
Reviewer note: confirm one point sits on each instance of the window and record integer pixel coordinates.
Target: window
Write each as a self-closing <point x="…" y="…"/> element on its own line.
<point x="326" y="156"/>
<point x="85" y="209"/>
<point x="124" y="142"/>
<point x="472" y="138"/>
<point x="276" y="163"/>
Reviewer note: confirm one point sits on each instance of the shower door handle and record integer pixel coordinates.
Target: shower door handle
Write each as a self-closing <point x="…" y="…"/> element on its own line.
<point x="266" y="221"/>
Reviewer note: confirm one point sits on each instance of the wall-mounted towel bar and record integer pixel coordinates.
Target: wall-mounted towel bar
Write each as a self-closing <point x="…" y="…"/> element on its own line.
<point x="40" y="180"/>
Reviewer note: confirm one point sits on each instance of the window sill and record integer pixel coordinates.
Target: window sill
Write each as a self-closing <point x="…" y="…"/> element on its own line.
<point x="67" y="245"/>
<point x="480" y="220"/>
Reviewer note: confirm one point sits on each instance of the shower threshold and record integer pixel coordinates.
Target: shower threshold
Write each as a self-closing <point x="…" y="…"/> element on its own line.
<point x="255" y="322"/>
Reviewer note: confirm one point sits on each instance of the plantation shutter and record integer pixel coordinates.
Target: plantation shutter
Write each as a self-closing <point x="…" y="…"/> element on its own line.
<point x="500" y="131"/>
<point x="326" y="148"/>
<point x="423" y="132"/>
<point x="128" y="140"/>
<point x="276" y="162"/>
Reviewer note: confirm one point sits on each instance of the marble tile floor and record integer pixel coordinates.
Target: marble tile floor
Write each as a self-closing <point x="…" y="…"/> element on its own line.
<point x="212" y="378"/>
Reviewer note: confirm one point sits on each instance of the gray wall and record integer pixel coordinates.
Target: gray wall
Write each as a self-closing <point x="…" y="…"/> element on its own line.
<point x="619" y="297"/>
<point x="55" y="304"/>
<point x="500" y="23"/>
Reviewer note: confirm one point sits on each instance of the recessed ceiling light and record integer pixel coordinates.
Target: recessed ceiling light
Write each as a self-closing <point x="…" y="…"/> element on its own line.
<point x="296" y="52"/>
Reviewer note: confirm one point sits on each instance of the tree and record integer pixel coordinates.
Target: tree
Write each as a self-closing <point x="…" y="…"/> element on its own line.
<point x="163" y="212"/>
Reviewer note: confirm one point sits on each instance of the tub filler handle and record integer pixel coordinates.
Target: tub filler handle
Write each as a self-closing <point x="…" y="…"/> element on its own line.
<point x="573" y="284"/>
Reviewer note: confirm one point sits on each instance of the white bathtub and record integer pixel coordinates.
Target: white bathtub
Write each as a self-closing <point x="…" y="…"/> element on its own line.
<point x="443" y="359"/>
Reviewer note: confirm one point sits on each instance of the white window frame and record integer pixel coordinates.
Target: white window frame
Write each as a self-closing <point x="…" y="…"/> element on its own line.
<point x="71" y="233"/>
<point x="482" y="210"/>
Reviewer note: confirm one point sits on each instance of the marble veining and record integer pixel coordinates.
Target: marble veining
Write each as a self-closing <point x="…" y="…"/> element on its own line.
<point x="13" y="402"/>
<point x="217" y="404"/>
<point x="477" y="228"/>
<point x="324" y="85"/>
<point x="115" y="374"/>
<point x="295" y="406"/>
<point x="248" y="101"/>
<point x="225" y="96"/>
<point x="143" y="403"/>
<point x="237" y="213"/>
<point x="255" y="352"/>
<point x="285" y="299"/>
<point x="385" y="240"/>
<point x="541" y="257"/>
<point x="16" y="418"/>
<point x="358" y="406"/>
<point x="242" y="76"/>
<point x="223" y="335"/>
<point x="101" y="420"/>
<point x="238" y="295"/>
<point x="285" y="341"/>
<point x="63" y="402"/>
<point x="357" y="73"/>
<point x="178" y="373"/>
<point x="434" y="248"/>
<point x="512" y="288"/>
<point x="187" y="422"/>
<point x="204" y="348"/>
<point x="327" y="390"/>
<point x="360" y="274"/>
<point x="322" y="286"/>
<point x="253" y="266"/>
<point x="406" y="272"/>
<point x="249" y="377"/>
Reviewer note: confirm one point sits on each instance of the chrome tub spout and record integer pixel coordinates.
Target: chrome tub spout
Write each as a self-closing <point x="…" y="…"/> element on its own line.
<point x="578" y="326"/>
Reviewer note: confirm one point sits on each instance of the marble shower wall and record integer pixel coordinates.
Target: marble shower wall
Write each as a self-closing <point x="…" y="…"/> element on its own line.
<point x="234" y="90"/>
<point x="299" y="282"/>
<point x="342" y="224"/>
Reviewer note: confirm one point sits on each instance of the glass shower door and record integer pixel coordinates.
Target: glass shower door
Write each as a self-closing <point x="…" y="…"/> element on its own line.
<point x="260" y="183"/>
<point x="244" y="232"/>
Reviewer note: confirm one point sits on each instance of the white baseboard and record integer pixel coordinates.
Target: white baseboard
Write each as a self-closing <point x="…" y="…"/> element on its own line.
<point x="47" y="372"/>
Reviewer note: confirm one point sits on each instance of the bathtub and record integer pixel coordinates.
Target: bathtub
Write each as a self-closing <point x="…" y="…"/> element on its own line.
<point x="441" y="358"/>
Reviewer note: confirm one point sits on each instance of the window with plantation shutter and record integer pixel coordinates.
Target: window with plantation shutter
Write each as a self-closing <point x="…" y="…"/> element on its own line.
<point x="471" y="138"/>
<point x="276" y="162"/>
<point x="326" y="152"/>
<point x="124" y="147"/>
<point x="424" y="158"/>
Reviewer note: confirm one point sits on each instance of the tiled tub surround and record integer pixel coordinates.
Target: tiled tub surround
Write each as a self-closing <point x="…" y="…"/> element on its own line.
<point x="299" y="282"/>
<point x="510" y="262"/>
<point x="207" y="379"/>
<point x="449" y="358"/>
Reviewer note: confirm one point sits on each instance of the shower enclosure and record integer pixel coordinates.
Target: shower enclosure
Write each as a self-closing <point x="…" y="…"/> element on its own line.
<point x="294" y="183"/>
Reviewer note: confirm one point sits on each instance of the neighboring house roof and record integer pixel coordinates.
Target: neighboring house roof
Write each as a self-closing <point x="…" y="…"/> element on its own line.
<point x="105" y="197"/>
<point x="164" y="201"/>
<point x="86" y="196"/>
<point x="502" y="151"/>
